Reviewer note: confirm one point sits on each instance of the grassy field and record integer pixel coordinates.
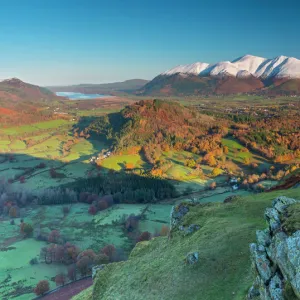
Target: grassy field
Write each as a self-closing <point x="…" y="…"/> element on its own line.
<point x="19" y="130"/>
<point x="17" y="276"/>
<point x="237" y="155"/>
<point x="224" y="267"/>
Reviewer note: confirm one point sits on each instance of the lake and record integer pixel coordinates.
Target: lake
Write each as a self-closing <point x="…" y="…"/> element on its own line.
<point x="81" y="96"/>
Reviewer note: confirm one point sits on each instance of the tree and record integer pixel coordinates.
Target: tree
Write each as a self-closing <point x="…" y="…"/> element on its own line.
<point x="54" y="236"/>
<point x="213" y="185"/>
<point x="72" y="272"/>
<point x="13" y="212"/>
<point x="92" y="210"/>
<point x="42" y="287"/>
<point x="164" y="230"/>
<point x="145" y="236"/>
<point x="27" y="229"/>
<point x="60" y="279"/>
<point x="190" y="163"/>
<point x="225" y="150"/>
<point x="102" y="205"/>
<point x="216" y="172"/>
<point x="129" y="166"/>
<point x="84" y="265"/>
<point x="109" y="250"/>
<point x="246" y="161"/>
<point x="101" y="259"/>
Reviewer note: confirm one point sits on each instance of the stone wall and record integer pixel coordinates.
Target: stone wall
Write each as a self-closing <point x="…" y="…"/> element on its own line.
<point x="276" y="257"/>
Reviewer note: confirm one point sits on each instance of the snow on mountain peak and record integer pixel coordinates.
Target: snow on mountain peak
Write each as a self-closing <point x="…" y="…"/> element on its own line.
<point x="194" y="69"/>
<point x="245" y="66"/>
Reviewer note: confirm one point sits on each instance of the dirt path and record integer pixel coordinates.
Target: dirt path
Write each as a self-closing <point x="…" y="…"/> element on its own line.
<point x="67" y="292"/>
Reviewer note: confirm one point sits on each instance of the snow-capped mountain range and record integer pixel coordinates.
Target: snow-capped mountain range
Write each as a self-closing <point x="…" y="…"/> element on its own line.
<point x="243" y="67"/>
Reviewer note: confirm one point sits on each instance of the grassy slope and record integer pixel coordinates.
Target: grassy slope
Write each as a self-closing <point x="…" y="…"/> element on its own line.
<point x="156" y="269"/>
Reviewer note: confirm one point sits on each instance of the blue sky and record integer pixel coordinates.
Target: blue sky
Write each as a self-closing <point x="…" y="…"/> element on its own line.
<point x="50" y="42"/>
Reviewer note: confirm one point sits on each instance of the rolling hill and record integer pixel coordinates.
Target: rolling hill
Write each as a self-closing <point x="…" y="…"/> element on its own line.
<point x="22" y="102"/>
<point x="153" y="121"/>
<point x="247" y="74"/>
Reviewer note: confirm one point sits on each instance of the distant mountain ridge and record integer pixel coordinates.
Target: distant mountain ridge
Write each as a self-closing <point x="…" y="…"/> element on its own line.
<point x="245" y="66"/>
<point x="103" y="88"/>
<point x="246" y="74"/>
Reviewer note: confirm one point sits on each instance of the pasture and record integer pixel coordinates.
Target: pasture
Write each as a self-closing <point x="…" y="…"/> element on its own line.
<point x="18" y="276"/>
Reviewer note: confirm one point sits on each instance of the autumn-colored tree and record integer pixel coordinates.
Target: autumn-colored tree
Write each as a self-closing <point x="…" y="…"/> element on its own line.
<point x="164" y="230"/>
<point x="92" y="210"/>
<point x="156" y="172"/>
<point x="101" y="259"/>
<point x="190" y="163"/>
<point x="13" y="212"/>
<point x="60" y="279"/>
<point x="216" y="172"/>
<point x="102" y="205"/>
<point x="246" y="161"/>
<point x="129" y="166"/>
<point x="84" y="265"/>
<point x="42" y="287"/>
<point x="213" y="185"/>
<point x="109" y="250"/>
<point x="144" y="236"/>
<point x="72" y="272"/>
<point x="165" y="147"/>
<point x="54" y="236"/>
<point x="225" y="150"/>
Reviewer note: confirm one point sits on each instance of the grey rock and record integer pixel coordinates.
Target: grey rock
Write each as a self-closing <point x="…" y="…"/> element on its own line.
<point x="253" y="293"/>
<point x="263" y="291"/>
<point x="285" y="253"/>
<point x="192" y="258"/>
<point x="189" y="229"/>
<point x="276" y="256"/>
<point x="282" y="202"/>
<point x="263" y="237"/>
<point x="276" y="288"/>
<point x="262" y="263"/>
<point x="177" y="213"/>
<point x="272" y="217"/>
<point x="96" y="269"/>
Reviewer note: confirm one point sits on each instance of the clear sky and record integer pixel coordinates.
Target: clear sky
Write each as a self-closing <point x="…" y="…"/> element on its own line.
<point x="52" y="42"/>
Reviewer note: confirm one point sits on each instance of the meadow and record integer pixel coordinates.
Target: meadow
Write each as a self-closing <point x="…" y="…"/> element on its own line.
<point x="58" y="145"/>
<point x="18" y="277"/>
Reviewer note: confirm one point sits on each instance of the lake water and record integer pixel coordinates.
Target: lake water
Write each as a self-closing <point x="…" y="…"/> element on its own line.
<point x="80" y="96"/>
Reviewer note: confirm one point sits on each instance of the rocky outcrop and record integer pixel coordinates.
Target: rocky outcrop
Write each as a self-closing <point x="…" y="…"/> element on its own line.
<point x="192" y="258"/>
<point x="177" y="213"/>
<point x="96" y="269"/>
<point x="276" y="257"/>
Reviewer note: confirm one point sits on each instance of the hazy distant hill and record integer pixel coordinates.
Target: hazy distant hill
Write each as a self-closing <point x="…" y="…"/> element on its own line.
<point x="104" y="88"/>
<point x="247" y="74"/>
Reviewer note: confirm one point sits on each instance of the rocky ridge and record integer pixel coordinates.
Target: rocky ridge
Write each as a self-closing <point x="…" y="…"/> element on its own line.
<point x="276" y="257"/>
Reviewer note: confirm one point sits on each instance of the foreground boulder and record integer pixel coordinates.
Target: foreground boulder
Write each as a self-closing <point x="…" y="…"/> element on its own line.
<point x="276" y="257"/>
